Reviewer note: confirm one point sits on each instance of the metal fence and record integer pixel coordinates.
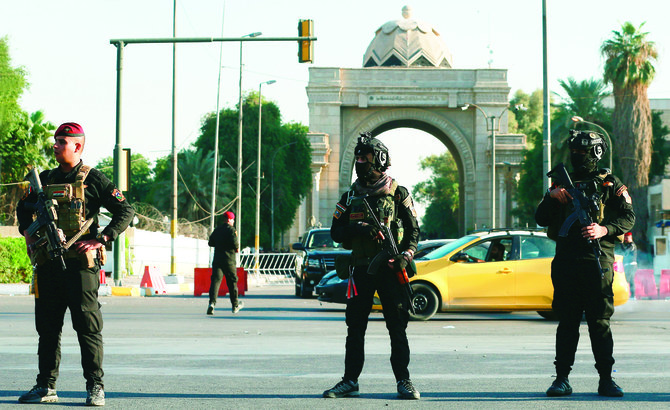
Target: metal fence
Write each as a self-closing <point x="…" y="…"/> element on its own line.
<point x="271" y="268"/>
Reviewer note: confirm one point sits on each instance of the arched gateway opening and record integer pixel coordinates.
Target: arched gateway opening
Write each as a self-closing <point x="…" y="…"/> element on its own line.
<point x="408" y="82"/>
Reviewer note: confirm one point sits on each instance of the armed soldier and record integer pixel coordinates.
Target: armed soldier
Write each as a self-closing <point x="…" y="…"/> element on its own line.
<point x="67" y="277"/>
<point x="356" y="227"/>
<point x="582" y="271"/>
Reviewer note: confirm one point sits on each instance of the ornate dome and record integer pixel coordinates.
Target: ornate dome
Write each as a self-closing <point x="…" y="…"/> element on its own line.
<point x="407" y="43"/>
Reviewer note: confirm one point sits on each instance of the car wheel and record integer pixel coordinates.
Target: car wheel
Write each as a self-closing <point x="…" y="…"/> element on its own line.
<point x="305" y="291"/>
<point x="548" y="314"/>
<point x="425" y="302"/>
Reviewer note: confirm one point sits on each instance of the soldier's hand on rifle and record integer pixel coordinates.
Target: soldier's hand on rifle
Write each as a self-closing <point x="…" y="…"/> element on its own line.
<point x="400" y="261"/>
<point x="561" y="195"/>
<point x="594" y="231"/>
<point x="29" y="241"/>
<point x="369" y="230"/>
<point x="84" y="246"/>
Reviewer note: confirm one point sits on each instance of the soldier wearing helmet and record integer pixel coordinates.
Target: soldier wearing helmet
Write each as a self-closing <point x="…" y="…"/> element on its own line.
<point x="579" y="287"/>
<point x="353" y="225"/>
<point x="586" y="149"/>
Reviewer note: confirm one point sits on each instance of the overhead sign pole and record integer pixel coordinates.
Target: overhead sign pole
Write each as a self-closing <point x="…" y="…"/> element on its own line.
<point x="118" y="147"/>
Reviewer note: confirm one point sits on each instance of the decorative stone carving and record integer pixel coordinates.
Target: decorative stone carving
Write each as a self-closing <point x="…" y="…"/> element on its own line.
<point x="407" y="43"/>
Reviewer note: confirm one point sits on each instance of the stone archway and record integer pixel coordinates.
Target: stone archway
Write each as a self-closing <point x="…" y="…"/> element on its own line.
<point x="409" y="82"/>
<point x="344" y="102"/>
<point x="422" y="119"/>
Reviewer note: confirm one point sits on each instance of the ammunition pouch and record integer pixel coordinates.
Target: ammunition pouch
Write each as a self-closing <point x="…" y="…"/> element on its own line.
<point x="87" y="260"/>
<point x="39" y="256"/>
<point x="102" y="255"/>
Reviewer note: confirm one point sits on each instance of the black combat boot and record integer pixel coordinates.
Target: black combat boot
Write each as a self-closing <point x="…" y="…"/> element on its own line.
<point x="345" y="388"/>
<point x="607" y="387"/>
<point x="560" y="387"/>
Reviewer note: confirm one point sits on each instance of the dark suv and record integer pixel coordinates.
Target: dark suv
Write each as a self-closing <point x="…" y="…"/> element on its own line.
<point x="316" y="256"/>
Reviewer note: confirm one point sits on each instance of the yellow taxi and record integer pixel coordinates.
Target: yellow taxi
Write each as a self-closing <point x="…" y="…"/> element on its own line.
<point x="493" y="270"/>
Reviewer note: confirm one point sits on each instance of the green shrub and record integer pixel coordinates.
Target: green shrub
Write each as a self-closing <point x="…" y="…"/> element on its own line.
<point x="15" y="265"/>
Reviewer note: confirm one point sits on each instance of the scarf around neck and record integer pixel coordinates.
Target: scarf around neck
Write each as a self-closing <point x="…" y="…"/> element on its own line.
<point x="381" y="187"/>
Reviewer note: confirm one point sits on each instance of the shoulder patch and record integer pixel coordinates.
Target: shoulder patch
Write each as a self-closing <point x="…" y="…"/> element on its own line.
<point x="118" y="195"/>
<point x="409" y="204"/>
<point x="339" y="210"/>
<point x="623" y="191"/>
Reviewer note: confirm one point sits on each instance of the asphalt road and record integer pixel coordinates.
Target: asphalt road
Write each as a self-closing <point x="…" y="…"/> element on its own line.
<point x="282" y="352"/>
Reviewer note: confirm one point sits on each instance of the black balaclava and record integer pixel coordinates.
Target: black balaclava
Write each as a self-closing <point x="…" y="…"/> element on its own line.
<point x="594" y="145"/>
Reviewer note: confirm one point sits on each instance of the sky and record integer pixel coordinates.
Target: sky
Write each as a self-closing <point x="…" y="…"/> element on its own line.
<point x="65" y="48"/>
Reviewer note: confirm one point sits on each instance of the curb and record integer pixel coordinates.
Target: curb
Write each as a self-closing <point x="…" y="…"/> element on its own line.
<point x="12" y="289"/>
<point x="125" y="291"/>
<point x="23" y="289"/>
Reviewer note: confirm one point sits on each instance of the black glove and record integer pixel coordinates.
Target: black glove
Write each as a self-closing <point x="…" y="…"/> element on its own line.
<point x="401" y="260"/>
<point x="368" y="230"/>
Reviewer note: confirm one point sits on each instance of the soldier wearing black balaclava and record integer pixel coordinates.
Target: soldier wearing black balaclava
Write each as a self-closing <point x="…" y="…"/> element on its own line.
<point x="579" y="286"/>
<point x="353" y="226"/>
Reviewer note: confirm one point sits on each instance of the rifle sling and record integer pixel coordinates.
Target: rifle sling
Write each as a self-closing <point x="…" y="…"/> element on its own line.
<point x="76" y="236"/>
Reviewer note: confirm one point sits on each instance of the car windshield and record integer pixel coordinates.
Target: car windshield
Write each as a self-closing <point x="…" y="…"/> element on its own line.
<point x="321" y="239"/>
<point x="448" y="248"/>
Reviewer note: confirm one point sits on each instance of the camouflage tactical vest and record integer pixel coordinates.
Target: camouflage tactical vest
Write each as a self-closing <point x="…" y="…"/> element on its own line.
<point x="385" y="210"/>
<point x="71" y="202"/>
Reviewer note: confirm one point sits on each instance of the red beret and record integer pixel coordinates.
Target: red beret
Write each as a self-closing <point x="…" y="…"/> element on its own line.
<point x="70" y="129"/>
<point x="628" y="234"/>
<point x="229" y="215"/>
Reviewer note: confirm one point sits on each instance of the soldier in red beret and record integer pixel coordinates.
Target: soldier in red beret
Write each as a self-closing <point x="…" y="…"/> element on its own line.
<point x="71" y="283"/>
<point x="226" y="245"/>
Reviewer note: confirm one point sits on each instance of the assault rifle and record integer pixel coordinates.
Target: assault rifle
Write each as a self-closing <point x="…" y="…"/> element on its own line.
<point x="390" y="250"/>
<point x="45" y="209"/>
<point x="583" y="208"/>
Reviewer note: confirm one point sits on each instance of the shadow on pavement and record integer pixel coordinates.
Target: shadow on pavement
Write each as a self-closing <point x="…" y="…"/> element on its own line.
<point x="462" y="397"/>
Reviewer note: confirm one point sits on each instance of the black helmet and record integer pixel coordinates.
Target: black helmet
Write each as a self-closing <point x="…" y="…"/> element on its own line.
<point x="380" y="154"/>
<point x="592" y="142"/>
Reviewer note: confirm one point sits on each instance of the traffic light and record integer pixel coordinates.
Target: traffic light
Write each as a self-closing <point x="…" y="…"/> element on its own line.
<point x="305" y="47"/>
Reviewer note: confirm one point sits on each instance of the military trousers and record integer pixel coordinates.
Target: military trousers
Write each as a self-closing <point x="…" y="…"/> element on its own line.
<point x="396" y="315"/>
<point x="76" y="289"/>
<point x="579" y="290"/>
<point x="219" y="271"/>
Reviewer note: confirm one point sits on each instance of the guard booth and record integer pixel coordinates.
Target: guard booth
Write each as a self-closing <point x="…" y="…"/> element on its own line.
<point x="658" y="234"/>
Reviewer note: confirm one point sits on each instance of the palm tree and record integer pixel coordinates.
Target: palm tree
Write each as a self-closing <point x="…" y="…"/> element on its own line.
<point x="194" y="186"/>
<point x="628" y="66"/>
<point x="584" y="99"/>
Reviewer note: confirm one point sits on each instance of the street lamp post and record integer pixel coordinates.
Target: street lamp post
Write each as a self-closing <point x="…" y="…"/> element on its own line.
<point x="238" y="217"/>
<point x="494" y="128"/>
<point x="216" y="146"/>
<point x="258" y="170"/>
<point x="272" y="193"/>
<point x="577" y="119"/>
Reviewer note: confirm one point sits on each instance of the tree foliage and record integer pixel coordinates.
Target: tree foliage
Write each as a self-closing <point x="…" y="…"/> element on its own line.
<point x="440" y="193"/>
<point x="629" y="68"/>
<point x="585" y="99"/>
<point x="529" y="122"/>
<point x="285" y="157"/>
<point x="25" y="139"/>
<point x="194" y="181"/>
